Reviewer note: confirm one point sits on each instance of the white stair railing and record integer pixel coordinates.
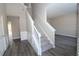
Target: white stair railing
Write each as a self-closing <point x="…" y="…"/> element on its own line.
<point x="48" y="30"/>
<point x="35" y="41"/>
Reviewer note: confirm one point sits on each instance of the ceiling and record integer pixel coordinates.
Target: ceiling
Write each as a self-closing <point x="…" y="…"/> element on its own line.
<point x="59" y="9"/>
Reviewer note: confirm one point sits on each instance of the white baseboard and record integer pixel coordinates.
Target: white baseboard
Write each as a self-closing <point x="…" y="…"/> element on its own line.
<point x="67" y="35"/>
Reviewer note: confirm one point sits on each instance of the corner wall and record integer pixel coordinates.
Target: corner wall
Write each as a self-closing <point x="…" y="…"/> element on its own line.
<point x="65" y="25"/>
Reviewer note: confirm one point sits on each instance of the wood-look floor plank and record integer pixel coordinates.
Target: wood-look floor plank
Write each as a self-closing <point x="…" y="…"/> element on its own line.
<point x="65" y="46"/>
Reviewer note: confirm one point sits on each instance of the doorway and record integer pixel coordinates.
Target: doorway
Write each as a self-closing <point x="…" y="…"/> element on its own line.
<point x="13" y="28"/>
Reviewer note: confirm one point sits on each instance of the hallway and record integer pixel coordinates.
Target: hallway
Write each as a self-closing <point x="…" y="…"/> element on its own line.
<point x="65" y="46"/>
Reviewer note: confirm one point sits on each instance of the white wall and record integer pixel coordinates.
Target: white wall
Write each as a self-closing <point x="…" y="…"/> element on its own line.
<point x="57" y="9"/>
<point x="78" y="22"/>
<point x="65" y="25"/>
<point x="78" y="37"/>
<point x="15" y="26"/>
<point x="4" y="40"/>
<point x="39" y="12"/>
<point x="78" y="31"/>
<point x="17" y="9"/>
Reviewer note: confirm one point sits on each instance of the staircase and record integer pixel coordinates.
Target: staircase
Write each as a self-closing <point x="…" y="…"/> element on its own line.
<point x="45" y="43"/>
<point x="43" y="37"/>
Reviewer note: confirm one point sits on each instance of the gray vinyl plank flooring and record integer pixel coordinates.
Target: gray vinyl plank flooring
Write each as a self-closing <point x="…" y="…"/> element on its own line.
<point x="65" y="46"/>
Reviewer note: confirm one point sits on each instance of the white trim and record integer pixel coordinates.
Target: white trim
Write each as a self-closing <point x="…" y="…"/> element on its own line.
<point x="67" y="35"/>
